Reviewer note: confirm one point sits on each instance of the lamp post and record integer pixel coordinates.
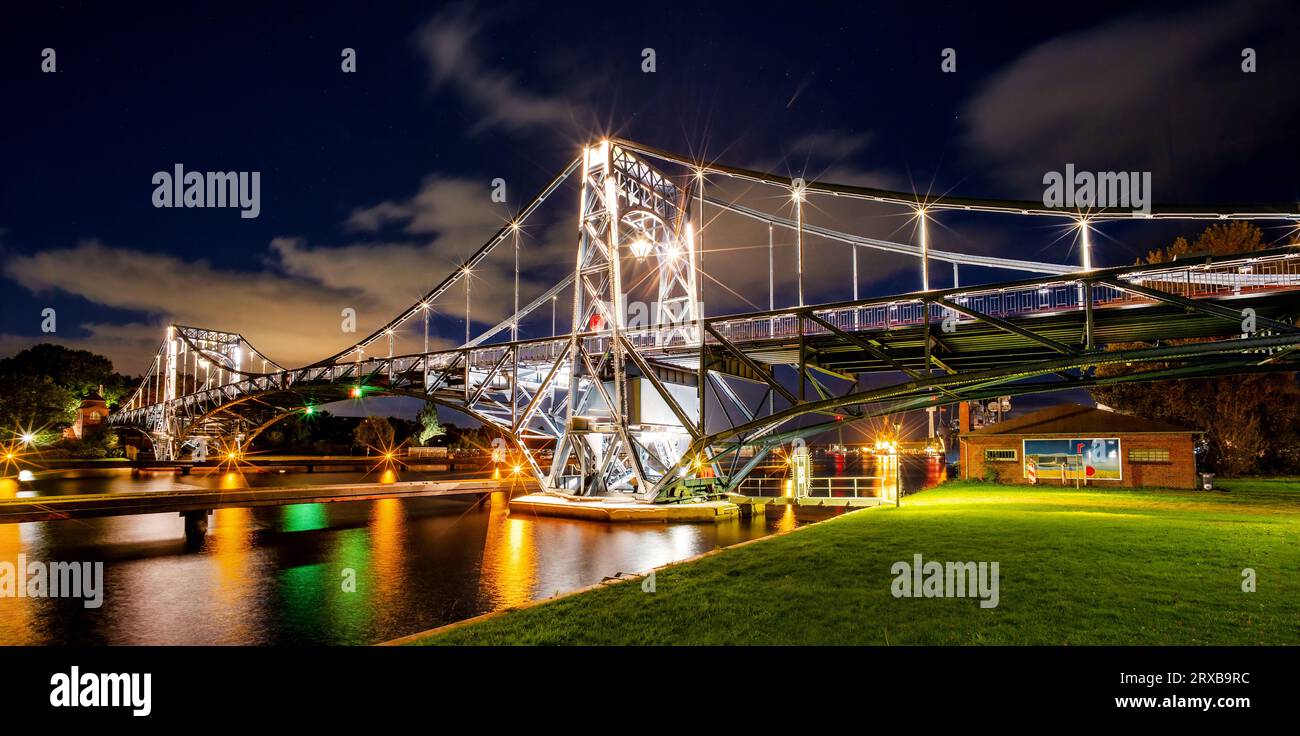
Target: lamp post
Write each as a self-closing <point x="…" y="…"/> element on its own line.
<point x="797" y="194"/>
<point x="925" y="249"/>
<point x="514" y="319"/>
<point x="467" y="305"/>
<point x="898" y="466"/>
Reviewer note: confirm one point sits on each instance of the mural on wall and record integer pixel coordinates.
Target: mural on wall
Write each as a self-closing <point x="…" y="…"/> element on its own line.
<point x="1091" y="459"/>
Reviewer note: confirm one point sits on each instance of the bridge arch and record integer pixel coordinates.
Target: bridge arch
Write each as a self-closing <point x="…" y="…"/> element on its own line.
<point x="334" y="392"/>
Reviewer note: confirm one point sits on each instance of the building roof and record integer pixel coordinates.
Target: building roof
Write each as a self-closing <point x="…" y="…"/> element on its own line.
<point x="1078" y="420"/>
<point x="93" y="398"/>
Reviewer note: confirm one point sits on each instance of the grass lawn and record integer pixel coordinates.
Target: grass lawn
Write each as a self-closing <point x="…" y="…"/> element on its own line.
<point x="1076" y="567"/>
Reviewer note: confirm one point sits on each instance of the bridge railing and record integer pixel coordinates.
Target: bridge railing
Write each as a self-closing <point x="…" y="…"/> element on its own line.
<point x="837" y="486"/>
<point x="763" y="487"/>
<point x="829" y="486"/>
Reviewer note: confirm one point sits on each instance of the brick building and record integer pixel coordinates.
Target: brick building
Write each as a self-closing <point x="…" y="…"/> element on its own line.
<point x="1097" y="447"/>
<point x="92" y="413"/>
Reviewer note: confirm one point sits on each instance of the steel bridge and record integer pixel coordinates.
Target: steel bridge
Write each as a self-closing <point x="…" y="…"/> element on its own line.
<point x="691" y="404"/>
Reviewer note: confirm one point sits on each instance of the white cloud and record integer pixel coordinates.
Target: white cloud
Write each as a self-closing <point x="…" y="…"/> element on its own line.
<point x="451" y="43"/>
<point x="453" y="207"/>
<point x="1162" y="93"/>
<point x="291" y="309"/>
<point x="292" y="319"/>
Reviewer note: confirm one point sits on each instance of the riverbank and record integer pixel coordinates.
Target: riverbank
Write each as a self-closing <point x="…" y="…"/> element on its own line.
<point x="1075" y="567"/>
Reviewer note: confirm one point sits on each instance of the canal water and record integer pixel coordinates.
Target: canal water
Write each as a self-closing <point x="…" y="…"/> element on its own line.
<point x="276" y="575"/>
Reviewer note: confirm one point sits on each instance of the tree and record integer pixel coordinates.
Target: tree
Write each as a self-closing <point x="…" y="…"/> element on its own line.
<point x="1251" y="421"/>
<point x="35" y="402"/>
<point x="79" y="371"/>
<point x="1221" y="239"/>
<point x="430" y="427"/>
<point x="98" y="442"/>
<point x="374" y="433"/>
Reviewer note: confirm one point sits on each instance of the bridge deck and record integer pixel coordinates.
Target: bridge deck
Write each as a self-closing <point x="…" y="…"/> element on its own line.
<point x="979" y="346"/>
<point x="54" y="508"/>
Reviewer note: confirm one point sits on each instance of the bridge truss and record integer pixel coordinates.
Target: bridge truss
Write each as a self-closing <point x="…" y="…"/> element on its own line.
<point x="689" y="404"/>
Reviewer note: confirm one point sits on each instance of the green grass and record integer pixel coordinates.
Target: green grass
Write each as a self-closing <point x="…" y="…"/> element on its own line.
<point x="1076" y="567"/>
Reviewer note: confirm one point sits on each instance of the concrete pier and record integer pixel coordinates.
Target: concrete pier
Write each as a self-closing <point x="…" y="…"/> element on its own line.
<point x="621" y="510"/>
<point x="199" y="500"/>
<point x="196" y="525"/>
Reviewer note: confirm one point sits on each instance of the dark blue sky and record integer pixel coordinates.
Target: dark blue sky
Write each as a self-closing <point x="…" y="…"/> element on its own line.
<point x="447" y="98"/>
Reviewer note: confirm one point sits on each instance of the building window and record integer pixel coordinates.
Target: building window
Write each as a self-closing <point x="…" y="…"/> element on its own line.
<point x="1148" y="455"/>
<point x="94" y="416"/>
<point x="999" y="456"/>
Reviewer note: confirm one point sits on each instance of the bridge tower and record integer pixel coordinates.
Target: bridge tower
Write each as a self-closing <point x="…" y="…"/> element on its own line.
<point x="161" y="427"/>
<point x="191" y="362"/>
<point x="629" y="419"/>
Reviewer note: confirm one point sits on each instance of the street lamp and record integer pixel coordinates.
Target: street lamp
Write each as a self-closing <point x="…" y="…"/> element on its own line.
<point x="898" y="467"/>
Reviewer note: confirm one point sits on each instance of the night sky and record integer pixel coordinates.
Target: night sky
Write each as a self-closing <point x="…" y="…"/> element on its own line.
<point x="375" y="184"/>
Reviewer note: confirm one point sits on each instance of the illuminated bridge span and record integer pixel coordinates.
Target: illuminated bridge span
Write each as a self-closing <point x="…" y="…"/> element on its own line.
<point x="663" y="412"/>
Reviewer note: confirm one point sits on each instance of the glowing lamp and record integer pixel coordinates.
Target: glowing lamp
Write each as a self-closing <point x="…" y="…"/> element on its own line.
<point x="28" y="438"/>
<point x="355" y="392"/>
<point x="640" y="248"/>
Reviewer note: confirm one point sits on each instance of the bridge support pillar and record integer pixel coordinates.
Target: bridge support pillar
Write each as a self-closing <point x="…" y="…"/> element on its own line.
<point x="196" y="525"/>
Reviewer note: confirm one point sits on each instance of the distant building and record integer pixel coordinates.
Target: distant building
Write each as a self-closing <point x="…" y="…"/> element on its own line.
<point x="1070" y="443"/>
<point x="92" y="413"/>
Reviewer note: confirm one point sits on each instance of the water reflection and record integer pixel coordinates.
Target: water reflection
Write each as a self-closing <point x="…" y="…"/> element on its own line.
<point x="231" y="542"/>
<point x="15" y="613"/>
<point x="277" y="575"/>
<point x="508" y="567"/>
<point x="387" y="528"/>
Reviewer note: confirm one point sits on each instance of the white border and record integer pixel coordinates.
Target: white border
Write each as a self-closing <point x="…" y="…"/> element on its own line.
<point x="1119" y="441"/>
